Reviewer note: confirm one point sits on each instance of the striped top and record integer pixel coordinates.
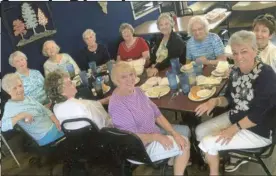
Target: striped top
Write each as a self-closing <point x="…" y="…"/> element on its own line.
<point x="211" y="47"/>
<point x="135" y="113"/>
<point x="34" y="86"/>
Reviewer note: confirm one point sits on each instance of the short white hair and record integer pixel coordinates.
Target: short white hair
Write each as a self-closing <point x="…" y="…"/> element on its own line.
<point x="88" y="32"/>
<point x="9" y="81"/>
<point x="198" y="19"/>
<point x="165" y="16"/>
<point x="16" y="54"/>
<point x="244" y="37"/>
<point x="44" y="45"/>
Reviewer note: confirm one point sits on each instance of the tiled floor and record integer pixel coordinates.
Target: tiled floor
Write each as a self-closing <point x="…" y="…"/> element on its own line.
<point x="9" y="167"/>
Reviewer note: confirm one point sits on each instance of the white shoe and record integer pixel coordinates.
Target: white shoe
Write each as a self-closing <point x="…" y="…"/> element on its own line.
<point x="234" y="166"/>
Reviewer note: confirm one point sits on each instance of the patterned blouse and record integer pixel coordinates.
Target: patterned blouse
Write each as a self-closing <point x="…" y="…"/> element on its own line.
<point x="252" y="95"/>
<point x="34" y="86"/>
<point x="66" y="59"/>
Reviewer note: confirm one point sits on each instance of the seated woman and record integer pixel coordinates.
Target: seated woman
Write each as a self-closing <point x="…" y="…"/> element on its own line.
<point x="168" y="46"/>
<point x="57" y="60"/>
<point x="264" y="26"/>
<point x="93" y="52"/>
<point x="131" y="110"/>
<point x="249" y="96"/>
<point x="61" y="91"/>
<point x="203" y="46"/>
<point x="32" y="80"/>
<point x="36" y="120"/>
<point x="132" y="48"/>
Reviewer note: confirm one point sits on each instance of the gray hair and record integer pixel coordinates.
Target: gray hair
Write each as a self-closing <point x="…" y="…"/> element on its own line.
<point x="88" y="32"/>
<point x="243" y="37"/>
<point x="118" y="68"/>
<point x="44" y="45"/>
<point x="124" y="26"/>
<point x="198" y="19"/>
<point x="53" y="85"/>
<point x="14" y="55"/>
<point x="165" y="16"/>
<point x="9" y="81"/>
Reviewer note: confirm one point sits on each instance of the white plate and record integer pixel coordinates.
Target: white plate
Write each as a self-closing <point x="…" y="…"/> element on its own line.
<point x="157" y="91"/>
<point x="145" y="87"/>
<point x="191" y="97"/>
<point x="137" y="80"/>
<point x="153" y="80"/>
<point x="204" y="93"/>
<point x="214" y="73"/>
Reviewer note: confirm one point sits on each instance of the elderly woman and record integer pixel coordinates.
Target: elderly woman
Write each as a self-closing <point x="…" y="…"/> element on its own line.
<point x="264" y="26"/>
<point x="132" y="48"/>
<point x="249" y="96"/>
<point x="93" y="52"/>
<point x="168" y="46"/>
<point x="132" y="111"/>
<point x="57" y="60"/>
<point x="32" y="80"/>
<point x="62" y="93"/>
<point x="36" y="120"/>
<point x="203" y="46"/>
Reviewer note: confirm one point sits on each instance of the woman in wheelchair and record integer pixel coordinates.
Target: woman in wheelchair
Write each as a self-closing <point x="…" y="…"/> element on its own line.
<point x="61" y="92"/>
<point x="133" y="111"/>
<point x="35" y="119"/>
<point x="250" y="96"/>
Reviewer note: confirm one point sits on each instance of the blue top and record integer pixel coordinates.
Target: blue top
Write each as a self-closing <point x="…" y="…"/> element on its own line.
<point x="211" y="47"/>
<point x="41" y="123"/>
<point x="34" y="86"/>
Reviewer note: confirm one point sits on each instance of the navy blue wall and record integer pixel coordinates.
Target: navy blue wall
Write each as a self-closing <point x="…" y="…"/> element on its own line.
<point x="71" y="19"/>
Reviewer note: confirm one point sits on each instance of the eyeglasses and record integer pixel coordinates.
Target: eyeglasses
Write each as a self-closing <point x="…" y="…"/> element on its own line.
<point x="269" y="18"/>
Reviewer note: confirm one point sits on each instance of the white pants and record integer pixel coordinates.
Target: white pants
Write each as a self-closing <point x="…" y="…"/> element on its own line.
<point x="157" y="152"/>
<point x="241" y="140"/>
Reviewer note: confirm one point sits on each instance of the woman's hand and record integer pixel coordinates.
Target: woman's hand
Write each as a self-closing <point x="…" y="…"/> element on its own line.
<point x="202" y="60"/>
<point x="28" y="118"/>
<point x="166" y="142"/>
<point x="180" y="141"/>
<point x="152" y="72"/>
<point x="227" y="134"/>
<point x="206" y="107"/>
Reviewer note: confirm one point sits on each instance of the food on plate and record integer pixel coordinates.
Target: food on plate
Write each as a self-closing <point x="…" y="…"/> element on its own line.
<point x="153" y="80"/>
<point x="194" y="91"/>
<point x="204" y="93"/>
<point x="187" y="66"/>
<point x="158" y="91"/>
<point x="145" y="87"/>
<point x="203" y="80"/>
<point x="105" y="87"/>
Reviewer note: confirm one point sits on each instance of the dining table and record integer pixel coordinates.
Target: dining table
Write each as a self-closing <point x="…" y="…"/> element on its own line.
<point x="181" y="102"/>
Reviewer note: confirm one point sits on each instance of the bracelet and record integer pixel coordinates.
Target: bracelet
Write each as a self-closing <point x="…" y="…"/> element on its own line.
<point x="239" y="126"/>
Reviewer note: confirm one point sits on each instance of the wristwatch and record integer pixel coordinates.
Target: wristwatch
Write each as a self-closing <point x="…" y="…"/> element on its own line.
<point x="238" y="125"/>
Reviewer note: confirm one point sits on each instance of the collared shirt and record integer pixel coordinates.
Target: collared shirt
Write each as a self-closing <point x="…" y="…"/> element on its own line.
<point x="211" y="47"/>
<point x="268" y="55"/>
<point x="34" y="86"/>
<point x="41" y="123"/>
<point x="74" y="108"/>
<point x="135" y="113"/>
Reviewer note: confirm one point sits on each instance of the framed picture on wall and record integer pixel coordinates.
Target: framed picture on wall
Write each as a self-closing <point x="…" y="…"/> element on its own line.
<point x="27" y="22"/>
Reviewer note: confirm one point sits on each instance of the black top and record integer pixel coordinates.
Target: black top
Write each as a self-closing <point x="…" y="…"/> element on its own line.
<point x="176" y="49"/>
<point x="253" y="95"/>
<point x="101" y="56"/>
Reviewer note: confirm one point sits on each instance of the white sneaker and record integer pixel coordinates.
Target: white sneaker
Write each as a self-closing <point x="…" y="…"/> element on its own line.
<point x="234" y="166"/>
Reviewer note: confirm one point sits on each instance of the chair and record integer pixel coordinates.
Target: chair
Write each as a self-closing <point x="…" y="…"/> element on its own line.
<point x="128" y="146"/>
<point x="82" y="145"/>
<point x="52" y="151"/>
<point x="254" y="155"/>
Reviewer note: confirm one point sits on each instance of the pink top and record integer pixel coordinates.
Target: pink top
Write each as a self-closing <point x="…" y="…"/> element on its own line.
<point x="135" y="113"/>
